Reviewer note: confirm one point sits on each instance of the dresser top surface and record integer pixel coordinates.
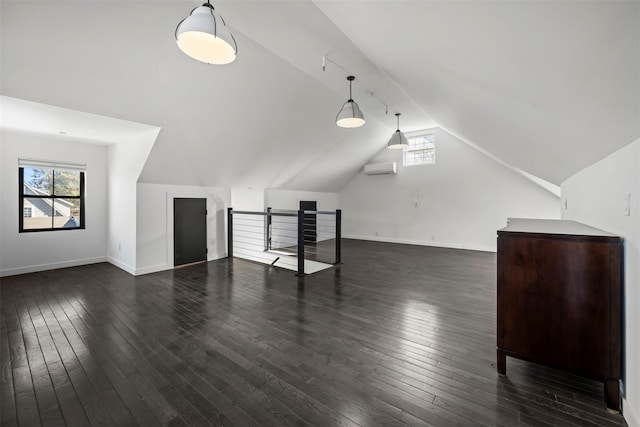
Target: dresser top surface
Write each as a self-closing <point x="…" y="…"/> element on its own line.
<point x="552" y="226"/>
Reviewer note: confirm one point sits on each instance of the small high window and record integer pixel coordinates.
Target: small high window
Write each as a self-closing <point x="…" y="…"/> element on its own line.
<point x="51" y="197"/>
<point x="421" y="150"/>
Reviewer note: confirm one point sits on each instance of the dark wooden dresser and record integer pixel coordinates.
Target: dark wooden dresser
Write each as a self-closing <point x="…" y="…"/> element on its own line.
<point x="560" y="299"/>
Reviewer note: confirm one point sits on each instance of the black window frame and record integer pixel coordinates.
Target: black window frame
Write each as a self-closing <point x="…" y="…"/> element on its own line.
<point x="22" y="196"/>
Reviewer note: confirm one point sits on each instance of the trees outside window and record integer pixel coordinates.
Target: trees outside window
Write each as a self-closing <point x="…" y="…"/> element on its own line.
<point x="50" y="199"/>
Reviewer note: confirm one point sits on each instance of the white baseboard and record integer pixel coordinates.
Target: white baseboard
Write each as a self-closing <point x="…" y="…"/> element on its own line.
<point x="152" y="269"/>
<point x="164" y="267"/>
<point x="214" y="257"/>
<point x="51" y="266"/>
<point x="121" y="265"/>
<point x="422" y="243"/>
<point x="630" y="414"/>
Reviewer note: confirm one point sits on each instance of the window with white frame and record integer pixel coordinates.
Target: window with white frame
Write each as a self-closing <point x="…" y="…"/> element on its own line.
<point x="27" y="212"/>
<point x="421" y="150"/>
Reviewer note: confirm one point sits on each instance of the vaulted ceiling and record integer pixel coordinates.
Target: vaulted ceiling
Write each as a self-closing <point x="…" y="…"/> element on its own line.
<point x="547" y="87"/>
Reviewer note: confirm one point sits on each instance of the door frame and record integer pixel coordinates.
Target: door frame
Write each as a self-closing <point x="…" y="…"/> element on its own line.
<point x="169" y="255"/>
<point x="192" y="202"/>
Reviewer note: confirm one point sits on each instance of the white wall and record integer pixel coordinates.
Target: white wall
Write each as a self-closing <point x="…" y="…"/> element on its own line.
<point x="126" y="160"/>
<point x="459" y="202"/>
<point x="155" y="223"/>
<point x="28" y="252"/>
<point x="595" y="196"/>
<point x="247" y="199"/>
<point x="290" y="199"/>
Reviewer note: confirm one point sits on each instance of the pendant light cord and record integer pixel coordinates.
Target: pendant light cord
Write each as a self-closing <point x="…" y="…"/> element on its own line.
<point x="372" y="94"/>
<point x="351" y="79"/>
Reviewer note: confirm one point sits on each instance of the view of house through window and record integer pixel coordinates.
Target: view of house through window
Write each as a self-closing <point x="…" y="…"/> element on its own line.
<point x="50" y="199"/>
<point x="421" y="150"/>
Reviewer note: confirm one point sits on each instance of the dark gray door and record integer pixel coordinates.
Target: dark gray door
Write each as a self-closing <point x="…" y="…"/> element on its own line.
<point x="189" y="231"/>
<point x="310" y="222"/>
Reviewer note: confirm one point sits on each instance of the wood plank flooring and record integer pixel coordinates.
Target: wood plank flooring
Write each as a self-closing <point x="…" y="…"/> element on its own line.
<point x="396" y="336"/>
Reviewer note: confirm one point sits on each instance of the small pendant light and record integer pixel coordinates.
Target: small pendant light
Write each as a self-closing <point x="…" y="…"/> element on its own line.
<point x="204" y="36"/>
<point x="350" y="115"/>
<point x="398" y="140"/>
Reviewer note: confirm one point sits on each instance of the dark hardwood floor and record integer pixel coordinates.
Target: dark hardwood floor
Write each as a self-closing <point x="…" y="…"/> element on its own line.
<point x="397" y="335"/>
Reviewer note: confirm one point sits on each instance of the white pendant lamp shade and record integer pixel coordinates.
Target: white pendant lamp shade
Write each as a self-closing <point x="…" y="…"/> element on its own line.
<point x="204" y="36"/>
<point x="398" y="140"/>
<point x="350" y="115"/>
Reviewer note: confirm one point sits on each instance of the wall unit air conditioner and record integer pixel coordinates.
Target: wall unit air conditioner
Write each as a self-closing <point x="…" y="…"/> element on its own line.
<point x="380" y="168"/>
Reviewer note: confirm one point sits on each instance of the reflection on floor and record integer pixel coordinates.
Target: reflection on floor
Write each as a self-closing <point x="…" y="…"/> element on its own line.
<point x="398" y="335"/>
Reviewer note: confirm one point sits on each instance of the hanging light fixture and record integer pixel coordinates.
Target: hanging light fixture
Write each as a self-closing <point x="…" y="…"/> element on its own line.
<point x="398" y="140"/>
<point x="203" y="35"/>
<point x="350" y="115"/>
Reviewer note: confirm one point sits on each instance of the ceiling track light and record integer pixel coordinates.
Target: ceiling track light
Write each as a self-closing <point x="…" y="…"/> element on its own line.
<point x="204" y="36"/>
<point x="398" y="140"/>
<point x="350" y="115"/>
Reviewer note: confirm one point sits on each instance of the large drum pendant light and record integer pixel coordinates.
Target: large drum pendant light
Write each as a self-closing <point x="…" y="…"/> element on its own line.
<point x="204" y="36"/>
<point x="350" y="115"/>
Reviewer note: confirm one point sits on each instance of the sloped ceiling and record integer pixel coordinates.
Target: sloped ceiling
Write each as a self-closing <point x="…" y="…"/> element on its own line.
<point x="548" y="87"/>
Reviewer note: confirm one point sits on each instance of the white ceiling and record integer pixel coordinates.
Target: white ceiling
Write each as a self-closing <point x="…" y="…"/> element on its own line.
<point x="26" y="116"/>
<point x="547" y="87"/>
